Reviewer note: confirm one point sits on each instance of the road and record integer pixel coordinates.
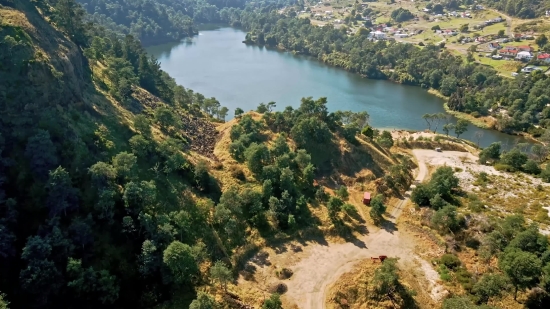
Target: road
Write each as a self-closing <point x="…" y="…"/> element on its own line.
<point x="324" y="264"/>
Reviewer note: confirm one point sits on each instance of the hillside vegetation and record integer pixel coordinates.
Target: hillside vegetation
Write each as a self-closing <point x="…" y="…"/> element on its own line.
<point x="116" y="189"/>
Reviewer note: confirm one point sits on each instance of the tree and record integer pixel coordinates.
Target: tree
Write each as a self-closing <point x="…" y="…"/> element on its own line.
<point x="90" y="284"/>
<point x="501" y="33"/>
<point x="273" y="302"/>
<point x="463" y="28"/>
<point x="490" y="285"/>
<point x="178" y="257"/>
<point x="377" y="207"/>
<point x="429" y="118"/>
<point x="385" y="139"/>
<point x="222" y="113"/>
<point x="343" y="193"/>
<point x="142" y="125"/>
<point x="221" y="273"/>
<point x="203" y="301"/>
<point x="201" y="175"/>
<point x="102" y="174"/>
<point x="461" y="127"/>
<point x="438" y="8"/>
<point x="367" y="131"/>
<point x="238" y="112"/>
<point x="447" y="128"/>
<point x="257" y="156"/>
<point x="443" y="182"/>
<point x="531" y="167"/>
<point x="124" y="163"/>
<point x="69" y="16"/>
<point x="262" y="108"/>
<point x="514" y="158"/>
<point x="334" y="205"/>
<point x="490" y="154"/>
<point x="540" y="151"/>
<point x="61" y="194"/>
<point x="523" y="268"/>
<point x="446" y="220"/>
<point x="421" y="195"/>
<point x="41" y="153"/>
<point x="541" y="40"/>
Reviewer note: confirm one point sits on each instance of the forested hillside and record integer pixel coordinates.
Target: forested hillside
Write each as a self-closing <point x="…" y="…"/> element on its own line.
<point x="157" y="21"/>
<point x="472" y="88"/>
<point x="110" y="189"/>
<point x="521" y="8"/>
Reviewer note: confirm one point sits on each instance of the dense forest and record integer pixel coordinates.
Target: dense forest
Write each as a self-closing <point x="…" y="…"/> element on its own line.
<point x="472" y="88"/>
<point x="107" y="196"/>
<point x="158" y="21"/>
<point x="521" y="8"/>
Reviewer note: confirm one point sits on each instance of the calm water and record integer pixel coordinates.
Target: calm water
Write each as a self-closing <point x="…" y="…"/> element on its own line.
<point x="217" y="64"/>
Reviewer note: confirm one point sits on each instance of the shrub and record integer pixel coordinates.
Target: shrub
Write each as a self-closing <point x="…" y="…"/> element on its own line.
<point x="504" y="167"/>
<point x="450" y="261"/>
<point x="531" y="167"/>
<point x="237" y="172"/>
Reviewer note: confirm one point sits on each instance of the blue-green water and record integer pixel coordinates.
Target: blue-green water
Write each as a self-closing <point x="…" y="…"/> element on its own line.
<point x="217" y="64"/>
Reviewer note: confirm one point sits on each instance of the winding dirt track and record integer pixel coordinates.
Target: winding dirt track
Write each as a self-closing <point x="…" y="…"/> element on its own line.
<point x="325" y="264"/>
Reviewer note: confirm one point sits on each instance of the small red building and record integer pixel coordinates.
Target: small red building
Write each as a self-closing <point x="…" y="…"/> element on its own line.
<point x="366" y="198"/>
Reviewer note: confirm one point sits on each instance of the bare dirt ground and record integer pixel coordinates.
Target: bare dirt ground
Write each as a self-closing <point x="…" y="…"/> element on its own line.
<point x="316" y="266"/>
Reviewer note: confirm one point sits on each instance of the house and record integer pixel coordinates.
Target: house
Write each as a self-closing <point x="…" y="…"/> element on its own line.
<point x="366" y="198"/>
<point x="379" y="35"/>
<point x="494" y="45"/>
<point x="525" y="48"/>
<point x="544" y="57"/>
<point x="524" y="55"/>
<point x="509" y="52"/>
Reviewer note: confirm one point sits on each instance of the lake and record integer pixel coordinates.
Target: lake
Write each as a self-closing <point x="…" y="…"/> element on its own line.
<point x="217" y="64"/>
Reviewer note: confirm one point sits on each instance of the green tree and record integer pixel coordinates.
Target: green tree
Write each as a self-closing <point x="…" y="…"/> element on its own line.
<point x="463" y="28"/>
<point x="490" y="285"/>
<point x="447" y="128"/>
<point x="377" y="207"/>
<point x="446" y="220"/>
<point x="490" y="154"/>
<point x="501" y="33"/>
<point x="257" y="156"/>
<point x="273" y="302"/>
<point x="342" y="192"/>
<point x="461" y="127"/>
<point x="90" y="284"/>
<point x="178" y="257"/>
<point x="385" y="139"/>
<point x="125" y="163"/>
<point x="514" y="158"/>
<point x="69" y="16"/>
<point x="61" y="194"/>
<point x="334" y="205"/>
<point x="238" y="112"/>
<point x="367" y="131"/>
<point x="41" y="153"/>
<point x="203" y="301"/>
<point x="221" y="273"/>
<point x="541" y="40"/>
<point x="142" y="125"/>
<point x="523" y="268"/>
<point x="531" y="167"/>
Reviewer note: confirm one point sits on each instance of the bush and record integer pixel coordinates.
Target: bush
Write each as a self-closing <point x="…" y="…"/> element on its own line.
<point x="504" y="167"/>
<point x="343" y="193"/>
<point x="237" y="172"/>
<point x="531" y="167"/>
<point x="450" y="261"/>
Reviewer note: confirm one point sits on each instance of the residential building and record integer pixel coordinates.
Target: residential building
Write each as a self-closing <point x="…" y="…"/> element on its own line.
<point x="524" y="55"/>
<point x="544" y="57"/>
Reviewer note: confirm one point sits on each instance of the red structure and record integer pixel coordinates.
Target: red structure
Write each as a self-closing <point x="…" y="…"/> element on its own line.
<point x="366" y="198"/>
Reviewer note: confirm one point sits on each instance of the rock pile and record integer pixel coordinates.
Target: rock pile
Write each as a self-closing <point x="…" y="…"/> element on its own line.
<point x="201" y="134"/>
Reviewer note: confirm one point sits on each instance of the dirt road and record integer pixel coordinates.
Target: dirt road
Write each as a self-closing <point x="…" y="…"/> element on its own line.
<point x="323" y="265"/>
